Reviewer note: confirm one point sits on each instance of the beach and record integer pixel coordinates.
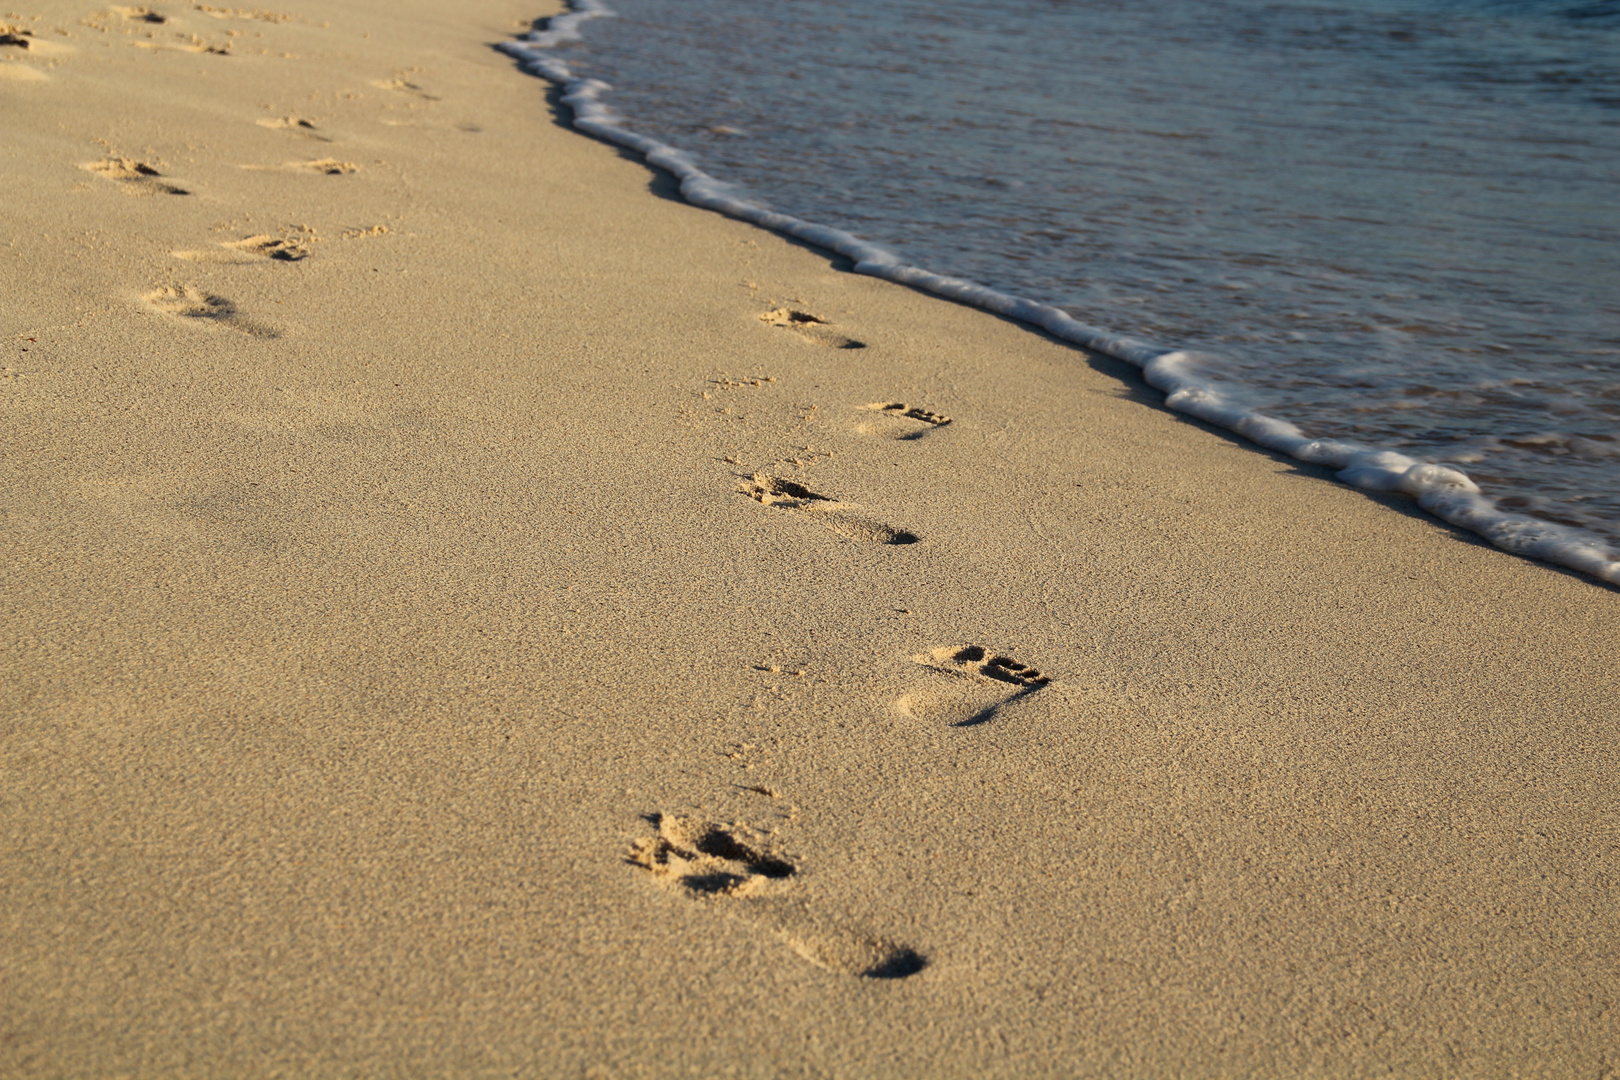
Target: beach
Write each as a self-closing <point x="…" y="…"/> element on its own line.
<point x="472" y="613"/>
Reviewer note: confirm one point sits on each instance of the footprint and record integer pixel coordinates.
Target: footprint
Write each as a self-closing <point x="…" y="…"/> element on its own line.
<point x="19" y="37"/>
<point x="185" y="302"/>
<point x="140" y="14"/>
<point x="979" y="684"/>
<point x="19" y="41"/>
<point x="136" y="178"/>
<point x="269" y="247"/>
<point x="810" y="328"/>
<point x="188" y="43"/>
<point x="296" y="124"/>
<point x="790" y="495"/>
<point x="250" y="15"/>
<point x="404" y="85"/>
<point x="251" y="250"/>
<point x="715" y="863"/>
<point x="12" y="69"/>
<point x="325" y="166"/>
<point x="901" y="421"/>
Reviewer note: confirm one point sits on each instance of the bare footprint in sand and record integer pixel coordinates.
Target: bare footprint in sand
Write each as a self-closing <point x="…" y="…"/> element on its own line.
<point x="253" y="249"/>
<point x="244" y="14"/>
<point x="15" y="42"/>
<point x="784" y="494"/>
<point x="405" y="86"/>
<point x="140" y="14"/>
<point x="971" y="686"/>
<point x="897" y="420"/>
<point x="724" y="864"/>
<point x="810" y="328"/>
<point x="325" y="166"/>
<point x="296" y="124"/>
<point x="281" y="249"/>
<point x="23" y="40"/>
<point x="134" y="177"/>
<point x="186" y="43"/>
<point x="185" y="302"/>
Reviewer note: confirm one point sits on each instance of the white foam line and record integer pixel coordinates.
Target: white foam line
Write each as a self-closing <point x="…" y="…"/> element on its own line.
<point x="1443" y="491"/>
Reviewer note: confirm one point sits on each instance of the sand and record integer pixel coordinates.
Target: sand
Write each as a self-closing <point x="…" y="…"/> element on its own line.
<point x="452" y="633"/>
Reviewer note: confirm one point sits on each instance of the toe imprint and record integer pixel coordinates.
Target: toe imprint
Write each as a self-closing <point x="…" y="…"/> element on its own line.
<point x="283" y="250"/>
<point x="977" y="660"/>
<point x="901" y="420"/>
<point x="707" y="859"/>
<point x="775" y="491"/>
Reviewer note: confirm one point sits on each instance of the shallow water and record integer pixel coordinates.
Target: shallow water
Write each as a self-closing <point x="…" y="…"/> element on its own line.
<point x="1395" y="223"/>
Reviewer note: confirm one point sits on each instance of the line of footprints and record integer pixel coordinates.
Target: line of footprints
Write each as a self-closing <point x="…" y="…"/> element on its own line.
<point x="178" y="30"/>
<point x="967" y="685"/>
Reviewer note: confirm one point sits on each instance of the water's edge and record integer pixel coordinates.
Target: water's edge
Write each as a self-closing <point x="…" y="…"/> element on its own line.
<point x="1443" y="491"/>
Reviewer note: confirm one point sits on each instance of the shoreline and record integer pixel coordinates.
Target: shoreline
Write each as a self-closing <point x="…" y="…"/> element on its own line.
<point x="466" y="622"/>
<point x="1440" y="489"/>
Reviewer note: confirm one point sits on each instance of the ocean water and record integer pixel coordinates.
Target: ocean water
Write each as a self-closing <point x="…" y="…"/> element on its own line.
<point x="1393" y="226"/>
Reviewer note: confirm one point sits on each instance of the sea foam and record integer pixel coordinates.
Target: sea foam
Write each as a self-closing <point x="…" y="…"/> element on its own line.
<point x="1442" y="490"/>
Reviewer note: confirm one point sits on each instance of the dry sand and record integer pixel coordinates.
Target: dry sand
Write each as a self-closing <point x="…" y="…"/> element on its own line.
<point x="451" y="633"/>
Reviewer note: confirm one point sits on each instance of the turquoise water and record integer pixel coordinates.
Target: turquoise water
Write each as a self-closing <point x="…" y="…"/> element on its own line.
<point x="1395" y="223"/>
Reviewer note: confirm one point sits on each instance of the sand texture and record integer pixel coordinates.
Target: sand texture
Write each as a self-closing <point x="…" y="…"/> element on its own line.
<point x="470" y="614"/>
